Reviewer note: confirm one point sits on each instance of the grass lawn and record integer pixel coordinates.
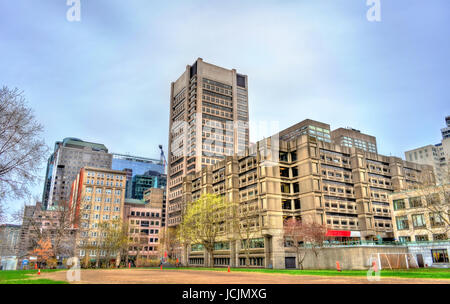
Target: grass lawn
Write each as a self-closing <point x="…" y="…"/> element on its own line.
<point x="22" y="277"/>
<point x="421" y="273"/>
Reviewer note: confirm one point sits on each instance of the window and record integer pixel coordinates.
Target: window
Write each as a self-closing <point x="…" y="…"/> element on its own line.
<point x="415" y="202"/>
<point x="432" y="199"/>
<point x="254" y="243"/>
<point x="436" y="219"/>
<point x="402" y="223"/>
<point x="399" y="204"/>
<point x="440" y="237"/>
<point x="418" y="220"/>
<point x="421" y="238"/>
<point x="285" y="188"/>
<point x="439" y="255"/>
<point x="404" y="239"/>
<point x="197" y="247"/>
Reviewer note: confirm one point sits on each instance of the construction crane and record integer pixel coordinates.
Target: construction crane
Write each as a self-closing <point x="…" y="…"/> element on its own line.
<point x="164" y="162"/>
<point x="163" y="158"/>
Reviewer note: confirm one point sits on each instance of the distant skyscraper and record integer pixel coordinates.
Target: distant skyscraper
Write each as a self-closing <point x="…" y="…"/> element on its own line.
<point x="437" y="155"/>
<point x="446" y="131"/>
<point x="69" y="156"/>
<point x="208" y="120"/>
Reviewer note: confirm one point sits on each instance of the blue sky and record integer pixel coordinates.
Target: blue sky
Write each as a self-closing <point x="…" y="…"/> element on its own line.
<point x="107" y="78"/>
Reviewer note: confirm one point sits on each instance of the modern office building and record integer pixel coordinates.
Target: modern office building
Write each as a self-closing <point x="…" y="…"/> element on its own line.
<point x="97" y="196"/>
<point x="144" y="223"/>
<point x="135" y="165"/>
<point x="208" y="120"/>
<point x="421" y="215"/>
<point x="68" y="157"/>
<point x="293" y="174"/>
<point x="437" y="155"/>
<point x="142" y="182"/>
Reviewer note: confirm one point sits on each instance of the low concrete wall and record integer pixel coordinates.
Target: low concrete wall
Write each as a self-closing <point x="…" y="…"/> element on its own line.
<point x="349" y="257"/>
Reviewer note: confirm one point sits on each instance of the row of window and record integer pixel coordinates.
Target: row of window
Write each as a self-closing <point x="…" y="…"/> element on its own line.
<point x="102" y="175"/>
<point x="418" y="221"/>
<point x="100" y="183"/>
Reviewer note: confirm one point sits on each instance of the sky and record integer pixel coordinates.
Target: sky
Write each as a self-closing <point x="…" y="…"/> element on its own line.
<point x="107" y="77"/>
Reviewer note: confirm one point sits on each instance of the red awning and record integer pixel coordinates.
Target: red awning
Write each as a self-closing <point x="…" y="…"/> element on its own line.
<point x="338" y="233"/>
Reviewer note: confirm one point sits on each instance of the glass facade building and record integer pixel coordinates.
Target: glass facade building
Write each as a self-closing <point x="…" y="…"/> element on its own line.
<point x="136" y="166"/>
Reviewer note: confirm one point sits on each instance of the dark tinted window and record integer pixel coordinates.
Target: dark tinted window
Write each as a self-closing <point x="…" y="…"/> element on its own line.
<point x="240" y="80"/>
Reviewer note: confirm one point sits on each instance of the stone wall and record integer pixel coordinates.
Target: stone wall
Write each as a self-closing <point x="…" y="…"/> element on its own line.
<point x="349" y="257"/>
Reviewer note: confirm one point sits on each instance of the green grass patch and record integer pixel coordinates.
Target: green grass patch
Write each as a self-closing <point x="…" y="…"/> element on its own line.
<point x="431" y="273"/>
<point x="23" y="277"/>
<point x="31" y="281"/>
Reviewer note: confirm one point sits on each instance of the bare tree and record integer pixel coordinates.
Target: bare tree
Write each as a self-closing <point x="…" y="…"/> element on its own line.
<point x="55" y="225"/>
<point x="2" y="213"/>
<point x="304" y="237"/>
<point x="168" y="242"/>
<point x="245" y="226"/>
<point x="435" y="200"/>
<point x="22" y="151"/>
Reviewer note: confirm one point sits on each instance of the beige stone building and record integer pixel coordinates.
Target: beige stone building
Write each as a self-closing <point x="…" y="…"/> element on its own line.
<point x="421" y="215"/>
<point x="144" y="222"/>
<point x="97" y="196"/>
<point x="303" y="174"/>
<point x="156" y="198"/>
<point x="208" y="120"/>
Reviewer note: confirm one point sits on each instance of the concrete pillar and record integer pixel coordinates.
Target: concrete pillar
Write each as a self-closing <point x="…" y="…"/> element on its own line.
<point x="278" y="252"/>
<point x="233" y="254"/>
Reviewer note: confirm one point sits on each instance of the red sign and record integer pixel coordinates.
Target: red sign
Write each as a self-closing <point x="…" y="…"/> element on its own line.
<point x="338" y="233"/>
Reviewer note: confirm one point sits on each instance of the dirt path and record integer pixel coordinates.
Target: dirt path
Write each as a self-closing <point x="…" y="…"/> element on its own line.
<point x="173" y="276"/>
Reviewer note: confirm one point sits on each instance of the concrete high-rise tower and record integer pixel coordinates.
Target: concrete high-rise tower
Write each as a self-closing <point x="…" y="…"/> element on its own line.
<point x="68" y="157"/>
<point x="208" y="121"/>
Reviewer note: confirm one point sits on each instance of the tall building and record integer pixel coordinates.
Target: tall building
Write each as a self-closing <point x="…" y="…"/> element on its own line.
<point x="437" y="155"/>
<point x="68" y="157"/>
<point x="135" y="165"/>
<point x="208" y="121"/>
<point x="97" y="196"/>
<point x="345" y="188"/>
<point x="446" y="131"/>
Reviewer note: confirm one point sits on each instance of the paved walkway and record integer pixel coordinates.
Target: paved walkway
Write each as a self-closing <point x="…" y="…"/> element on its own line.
<point x="174" y="276"/>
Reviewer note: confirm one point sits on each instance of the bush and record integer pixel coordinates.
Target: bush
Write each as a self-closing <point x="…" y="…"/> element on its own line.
<point x="52" y="263"/>
<point x="147" y="262"/>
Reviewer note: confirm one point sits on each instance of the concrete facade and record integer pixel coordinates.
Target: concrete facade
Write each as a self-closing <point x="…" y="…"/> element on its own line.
<point x="69" y="156"/>
<point x="208" y="120"/>
<point x="432" y="254"/>
<point x="437" y="155"/>
<point x="144" y="223"/>
<point x="293" y="174"/>
<point x="156" y="198"/>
